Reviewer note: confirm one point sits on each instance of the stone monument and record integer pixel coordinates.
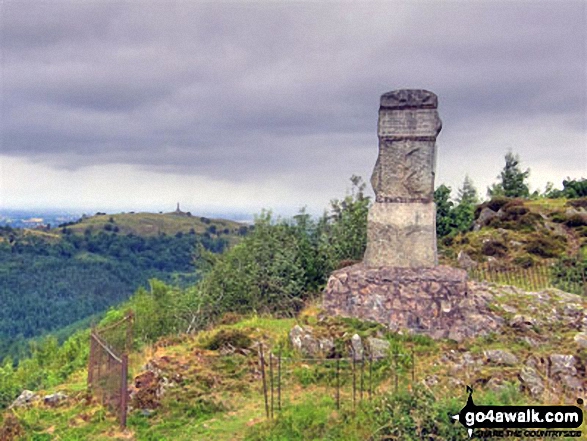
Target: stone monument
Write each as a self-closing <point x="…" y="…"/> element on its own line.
<point x="399" y="283"/>
<point x="402" y="222"/>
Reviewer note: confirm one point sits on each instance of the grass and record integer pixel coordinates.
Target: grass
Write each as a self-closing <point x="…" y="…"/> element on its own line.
<point x="219" y="397"/>
<point x="151" y="224"/>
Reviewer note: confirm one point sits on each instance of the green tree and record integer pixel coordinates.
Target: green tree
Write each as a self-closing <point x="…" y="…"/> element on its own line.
<point x="512" y="182"/>
<point x="444" y="207"/>
<point x="463" y="214"/>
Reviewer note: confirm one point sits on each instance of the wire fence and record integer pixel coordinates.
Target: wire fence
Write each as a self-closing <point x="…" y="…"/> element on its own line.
<point x="348" y="380"/>
<point x="569" y="275"/>
<point x="108" y="365"/>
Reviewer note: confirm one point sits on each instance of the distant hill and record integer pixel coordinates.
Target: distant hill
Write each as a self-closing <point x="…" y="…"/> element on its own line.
<point x="153" y="224"/>
<point x="52" y="278"/>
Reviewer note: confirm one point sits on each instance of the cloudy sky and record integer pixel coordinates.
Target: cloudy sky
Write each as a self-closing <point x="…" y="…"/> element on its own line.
<point x="237" y="106"/>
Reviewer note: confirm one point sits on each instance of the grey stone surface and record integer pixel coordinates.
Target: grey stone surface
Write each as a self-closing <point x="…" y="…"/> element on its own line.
<point x="407" y="129"/>
<point x="25" y="398"/>
<point x="581" y="339"/>
<point x="465" y="261"/>
<point x="432" y="301"/>
<point x="561" y="364"/>
<point x="500" y="357"/>
<point x="303" y="340"/>
<point x="531" y="381"/>
<point x="55" y="399"/>
<point x="402" y="235"/>
<point x="378" y="348"/>
<point x="357" y="347"/>
<point x="401" y="225"/>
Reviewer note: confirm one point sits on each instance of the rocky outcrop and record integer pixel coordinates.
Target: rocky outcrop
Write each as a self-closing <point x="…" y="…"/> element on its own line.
<point x="55" y="399"/>
<point x="25" y="398"/>
<point x="500" y="357"/>
<point x="304" y="341"/>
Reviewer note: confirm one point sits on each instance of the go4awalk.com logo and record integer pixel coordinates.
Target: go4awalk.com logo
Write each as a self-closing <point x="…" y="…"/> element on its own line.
<point x="518" y="421"/>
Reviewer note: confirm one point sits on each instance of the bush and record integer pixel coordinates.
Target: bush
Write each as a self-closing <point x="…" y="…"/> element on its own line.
<point x="545" y="246"/>
<point x="525" y="261"/>
<point x="497" y="202"/>
<point x="578" y="203"/>
<point x="576" y="220"/>
<point x="229" y="338"/>
<point x="494" y="248"/>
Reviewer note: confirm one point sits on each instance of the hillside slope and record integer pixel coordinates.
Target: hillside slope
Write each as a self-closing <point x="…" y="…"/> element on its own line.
<point x="209" y="386"/>
<point x="522" y="232"/>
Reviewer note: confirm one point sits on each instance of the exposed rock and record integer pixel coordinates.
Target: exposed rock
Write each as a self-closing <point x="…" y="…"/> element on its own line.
<point x="531" y="381"/>
<point x="465" y="261"/>
<point x="561" y="364"/>
<point x="357" y="347"/>
<point x="500" y="357"/>
<point x="531" y="341"/>
<point x="327" y="347"/>
<point x="522" y="322"/>
<point x="431" y="380"/>
<point x="572" y="384"/>
<point x="581" y="339"/>
<point x="25" y="398"/>
<point x="378" y="348"/>
<point x="303" y="340"/>
<point x="509" y="309"/>
<point x="496" y="384"/>
<point x="55" y="399"/>
<point x="484" y="217"/>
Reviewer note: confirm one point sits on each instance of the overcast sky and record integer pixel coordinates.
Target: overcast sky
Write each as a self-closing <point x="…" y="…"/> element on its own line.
<point x="237" y="106"/>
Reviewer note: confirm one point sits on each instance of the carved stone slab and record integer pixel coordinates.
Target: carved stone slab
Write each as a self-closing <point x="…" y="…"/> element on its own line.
<point x="407" y="130"/>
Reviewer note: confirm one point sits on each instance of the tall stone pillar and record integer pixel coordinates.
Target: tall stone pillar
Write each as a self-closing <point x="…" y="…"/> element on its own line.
<point x="398" y="283"/>
<point x="402" y="221"/>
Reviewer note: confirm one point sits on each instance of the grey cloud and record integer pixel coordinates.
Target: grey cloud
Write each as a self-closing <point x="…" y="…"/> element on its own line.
<point x="241" y="91"/>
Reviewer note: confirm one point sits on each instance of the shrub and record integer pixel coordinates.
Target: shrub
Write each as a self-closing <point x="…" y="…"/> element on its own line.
<point x="229" y="337"/>
<point x="525" y="261"/>
<point x="576" y="220"/>
<point x="497" y="202"/>
<point x="578" y="203"/>
<point x="545" y="246"/>
<point x="494" y="248"/>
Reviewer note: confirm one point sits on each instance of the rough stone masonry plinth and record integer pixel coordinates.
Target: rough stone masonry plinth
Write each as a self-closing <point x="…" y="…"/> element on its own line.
<point x="431" y="301"/>
<point x="399" y="283"/>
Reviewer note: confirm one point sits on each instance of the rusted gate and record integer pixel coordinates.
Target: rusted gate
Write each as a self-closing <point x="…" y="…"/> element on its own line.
<point x="108" y="365"/>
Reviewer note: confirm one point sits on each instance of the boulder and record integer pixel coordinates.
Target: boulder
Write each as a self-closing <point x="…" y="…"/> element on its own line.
<point x="581" y="339"/>
<point x="531" y="381"/>
<point x="500" y="357"/>
<point x="522" y="322"/>
<point x="25" y="398"/>
<point x="465" y="261"/>
<point x="561" y="365"/>
<point x="378" y="348"/>
<point x="303" y="340"/>
<point x="484" y="217"/>
<point x="54" y="399"/>
<point x="357" y="347"/>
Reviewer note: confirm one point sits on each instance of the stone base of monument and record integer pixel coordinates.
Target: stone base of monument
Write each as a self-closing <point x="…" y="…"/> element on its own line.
<point x="432" y="301"/>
